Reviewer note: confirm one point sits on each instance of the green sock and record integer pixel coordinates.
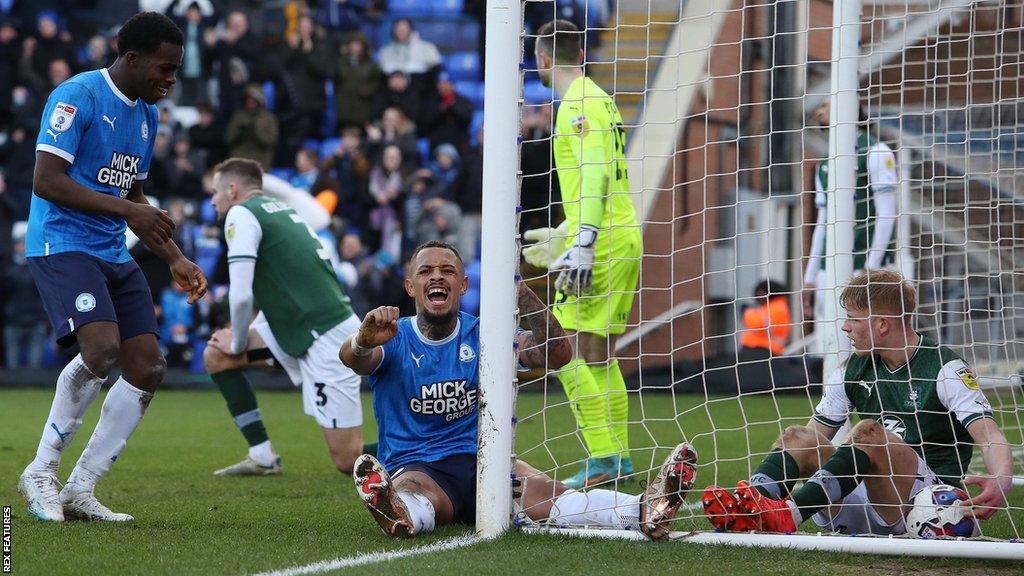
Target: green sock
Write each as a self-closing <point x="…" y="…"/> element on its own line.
<point x="610" y="381"/>
<point x="777" y="475"/>
<point x="241" y="401"/>
<point x="589" y="407"/>
<point x="836" y="479"/>
<point x="370" y="449"/>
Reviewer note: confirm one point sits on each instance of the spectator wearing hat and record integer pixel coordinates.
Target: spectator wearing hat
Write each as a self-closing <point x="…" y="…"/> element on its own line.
<point x="446" y="115"/>
<point x="357" y="79"/>
<point x="252" y="131"/>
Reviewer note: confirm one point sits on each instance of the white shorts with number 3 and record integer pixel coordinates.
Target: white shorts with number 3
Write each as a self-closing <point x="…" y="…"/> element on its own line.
<point x="330" y="390"/>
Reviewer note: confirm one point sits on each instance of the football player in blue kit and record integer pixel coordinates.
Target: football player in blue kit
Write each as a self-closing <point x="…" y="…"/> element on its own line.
<point x="92" y="155"/>
<point x="424" y="377"/>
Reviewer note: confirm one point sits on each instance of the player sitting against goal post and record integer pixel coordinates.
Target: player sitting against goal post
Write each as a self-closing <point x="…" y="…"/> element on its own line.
<point x="921" y="413"/>
<point x="277" y="264"/>
<point x="424" y="378"/>
<point x="598" y="264"/>
<point x="93" y="153"/>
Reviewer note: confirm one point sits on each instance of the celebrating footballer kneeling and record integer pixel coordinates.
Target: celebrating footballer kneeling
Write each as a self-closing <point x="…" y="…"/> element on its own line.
<point x="424" y="378"/>
<point x="921" y="413"/>
<point x="278" y="265"/>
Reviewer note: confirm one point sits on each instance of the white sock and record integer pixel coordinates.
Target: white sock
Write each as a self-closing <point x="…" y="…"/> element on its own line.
<point x="122" y="411"/>
<point x="263" y="453"/>
<point x="77" y="387"/>
<point x="421" y="511"/>
<point x="596" y="508"/>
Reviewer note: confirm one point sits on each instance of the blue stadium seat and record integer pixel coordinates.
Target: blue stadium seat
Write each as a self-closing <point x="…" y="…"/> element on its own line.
<point x="268" y="92"/>
<point x="474" y="127"/>
<point x="446" y="6"/>
<point x="330" y="119"/>
<point x="472" y="90"/>
<point x="283" y="173"/>
<point x="536" y="93"/>
<point x="468" y="37"/>
<point x="410" y="7"/>
<point x="326" y="148"/>
<point x="437" y="31"/>
<point x="423" y="147"/>
<point x="463" y="65"/>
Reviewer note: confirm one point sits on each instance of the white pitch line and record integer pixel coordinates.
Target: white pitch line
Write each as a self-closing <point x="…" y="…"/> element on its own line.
<point x="375" y="557"/>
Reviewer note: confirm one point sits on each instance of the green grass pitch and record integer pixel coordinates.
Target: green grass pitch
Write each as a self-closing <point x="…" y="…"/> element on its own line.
<point x="189" y="522"/>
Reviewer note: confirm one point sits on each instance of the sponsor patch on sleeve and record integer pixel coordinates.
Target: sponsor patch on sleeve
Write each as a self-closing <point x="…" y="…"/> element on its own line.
<point x="890" y="162"/>
<point x="580" y="124"/>
<point x="229" y="232"/>
<point x="63" y="116"/>
<point x="968" y="378"/>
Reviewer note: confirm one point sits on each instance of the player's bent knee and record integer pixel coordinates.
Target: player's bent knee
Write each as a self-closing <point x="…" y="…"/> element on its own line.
<point x="869" y="432"/>
<point x="794" y="437"/>
<point x="101" y="357"/>
<point x="214" y="360"/>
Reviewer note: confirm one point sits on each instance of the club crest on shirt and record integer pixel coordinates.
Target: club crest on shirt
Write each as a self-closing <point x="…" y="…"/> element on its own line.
<point x="63" y="116"/>
<point x="968" y="378"/>
<point x="580" y="124"/>
<point x="466" y="353"/>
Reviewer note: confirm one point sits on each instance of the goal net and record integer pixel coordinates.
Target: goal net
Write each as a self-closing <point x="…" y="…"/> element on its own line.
<point x="722" y="134"/>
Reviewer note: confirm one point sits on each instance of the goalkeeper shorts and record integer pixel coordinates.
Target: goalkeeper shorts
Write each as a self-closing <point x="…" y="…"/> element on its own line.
<point x="606" y="309"/>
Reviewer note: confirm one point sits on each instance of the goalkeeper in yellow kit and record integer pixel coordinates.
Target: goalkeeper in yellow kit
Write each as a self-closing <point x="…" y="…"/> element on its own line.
<point x="596" y="251"/>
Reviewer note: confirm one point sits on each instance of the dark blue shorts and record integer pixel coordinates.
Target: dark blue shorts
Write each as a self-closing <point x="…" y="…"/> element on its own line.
<point x="456" y="475"/>
<point x="78" y="289"/>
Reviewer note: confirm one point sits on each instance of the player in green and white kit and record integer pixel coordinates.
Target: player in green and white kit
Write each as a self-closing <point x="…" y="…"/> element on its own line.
<point x="278" y="266"/>
<point x="875" y="217"/>
<point x="921" y="414"/>
<point x="599" y="260"/>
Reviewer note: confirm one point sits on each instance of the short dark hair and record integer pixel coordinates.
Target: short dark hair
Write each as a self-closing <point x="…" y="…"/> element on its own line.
<point x="248" y="173"/>
<point x="436" y="244"/>
<point x="562" y="40"/>
<point x="146" y="31"/>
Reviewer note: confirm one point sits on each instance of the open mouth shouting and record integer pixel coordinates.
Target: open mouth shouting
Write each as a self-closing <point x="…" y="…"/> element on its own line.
<point x="437" y="297"/>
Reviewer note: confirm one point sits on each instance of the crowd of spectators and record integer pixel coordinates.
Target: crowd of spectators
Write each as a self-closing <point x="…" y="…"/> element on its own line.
<point x="340" y="98"/>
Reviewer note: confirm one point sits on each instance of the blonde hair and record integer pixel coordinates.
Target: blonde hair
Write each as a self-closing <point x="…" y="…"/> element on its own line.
<point x="880" y="293"/>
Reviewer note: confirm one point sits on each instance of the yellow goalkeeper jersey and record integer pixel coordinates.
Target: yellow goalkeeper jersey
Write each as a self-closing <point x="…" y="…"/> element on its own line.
<point x="589" y="150"/>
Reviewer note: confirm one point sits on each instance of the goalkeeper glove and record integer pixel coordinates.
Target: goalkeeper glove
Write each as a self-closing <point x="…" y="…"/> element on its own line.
<point x="549" y="243"/>
<point x="576" y="264"/>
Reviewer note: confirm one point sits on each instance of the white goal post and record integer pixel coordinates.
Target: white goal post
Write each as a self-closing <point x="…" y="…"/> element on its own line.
<point x="717" y="101"/>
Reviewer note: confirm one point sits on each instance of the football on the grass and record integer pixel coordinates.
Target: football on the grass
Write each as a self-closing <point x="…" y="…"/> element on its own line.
<point x="939" y="512"/>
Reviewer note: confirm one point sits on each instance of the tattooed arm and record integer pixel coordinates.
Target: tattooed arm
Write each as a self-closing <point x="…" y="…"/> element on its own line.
<point x="545" y="345"/>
